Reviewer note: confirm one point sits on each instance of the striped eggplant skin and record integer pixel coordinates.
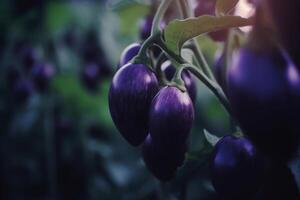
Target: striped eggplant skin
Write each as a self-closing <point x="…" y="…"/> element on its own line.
<point x="132" y="89"/>
<point x="162" y="162"/>
<point x="171" y="117"/>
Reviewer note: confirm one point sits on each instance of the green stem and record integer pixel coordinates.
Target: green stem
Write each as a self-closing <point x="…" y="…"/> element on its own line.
<point x="200" y="57"/>
<point x="177" y="80"/>
<point x="142" y="57"/>
<point x="184" y="8"/>
<point x="159" y="73"/>
<point x="155" y="34"/>
<point x="169" y="53"/>
<point x="159" y="15"/>
<point x="213" y="86"/>
<point x="195" y="46"/>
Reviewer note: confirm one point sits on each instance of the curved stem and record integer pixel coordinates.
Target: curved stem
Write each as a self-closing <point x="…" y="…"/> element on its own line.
<point x="184" y="8"/>
<point x="195" y="46"/>
<point x="160" y="74"/>
<point x="169" y="53"/>
<point x="213" y="86"/>
<point x="159" y="15"/>
<point x="142" y="56"/>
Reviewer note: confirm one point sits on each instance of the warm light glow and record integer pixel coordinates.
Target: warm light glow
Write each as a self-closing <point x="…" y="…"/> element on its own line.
<point x="244" y="9"/>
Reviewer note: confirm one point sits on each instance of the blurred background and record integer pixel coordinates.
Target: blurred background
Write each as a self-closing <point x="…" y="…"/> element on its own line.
<point x="57" y="139"/>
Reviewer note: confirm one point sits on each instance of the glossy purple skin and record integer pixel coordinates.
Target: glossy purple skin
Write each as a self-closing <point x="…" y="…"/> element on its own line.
<point x="128" y="53"/>
<point x="162" y="162"/>
<point x="132" y="90"/>
<point x="236" y="168"/>
<point x="189" y="80"/>
<point x="22" y="90"/>
<point x="286" y="17"/>
<point x="42" y="74"/>
<point x="90" y="76"/>
<point x="259" y="95"/>
<point x="171" y="117"/>
<point x="207" y="7"/>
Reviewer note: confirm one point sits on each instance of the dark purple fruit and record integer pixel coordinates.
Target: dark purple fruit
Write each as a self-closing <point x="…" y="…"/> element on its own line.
<point x="90" y="76"/>
<point x="23" y="90"/>
<point x="171" y="117"/>
<point x="259" y="95"/>
<point x="189" y="80"/>
<point x="42" y="74"/>
<point x="132" y="90"/>
<point x="145" y="27"/>
<point x="128" y="53"/>
<point x="207" y="7"/>
<point x="162" y="162"/>
<point x="286" y="18"/>
<point x="236" y="168"/>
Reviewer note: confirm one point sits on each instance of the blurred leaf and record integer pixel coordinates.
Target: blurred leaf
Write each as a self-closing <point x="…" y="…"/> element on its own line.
<point x="212" y="139"/>
<point x="78" y="98"/>
<point x="58" y="15"/>
<point x="223" y="7"/>
<point x="130" y="16"/>
<point x="178" y="32"/>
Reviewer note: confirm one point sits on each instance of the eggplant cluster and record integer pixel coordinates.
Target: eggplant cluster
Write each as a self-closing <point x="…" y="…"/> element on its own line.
<point x="262" y="84"/>
<point x="146" y="113"/>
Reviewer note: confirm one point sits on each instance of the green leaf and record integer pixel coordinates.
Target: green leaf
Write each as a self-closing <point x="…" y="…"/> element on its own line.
<point x="178" y="32"/>
<point x="212" y="139"/>
<point x="224" y="7"/>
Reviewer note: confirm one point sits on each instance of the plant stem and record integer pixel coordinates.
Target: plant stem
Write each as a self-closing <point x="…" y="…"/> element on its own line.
<point x="199" y="55"/>
<point x="195" y="46"/>
<point x="184" y="8"/>
<point x="159" y="73"/>
<point x="159" y="15"/>
<point x="213" y="86"/>
<point x="142" y="57"/>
